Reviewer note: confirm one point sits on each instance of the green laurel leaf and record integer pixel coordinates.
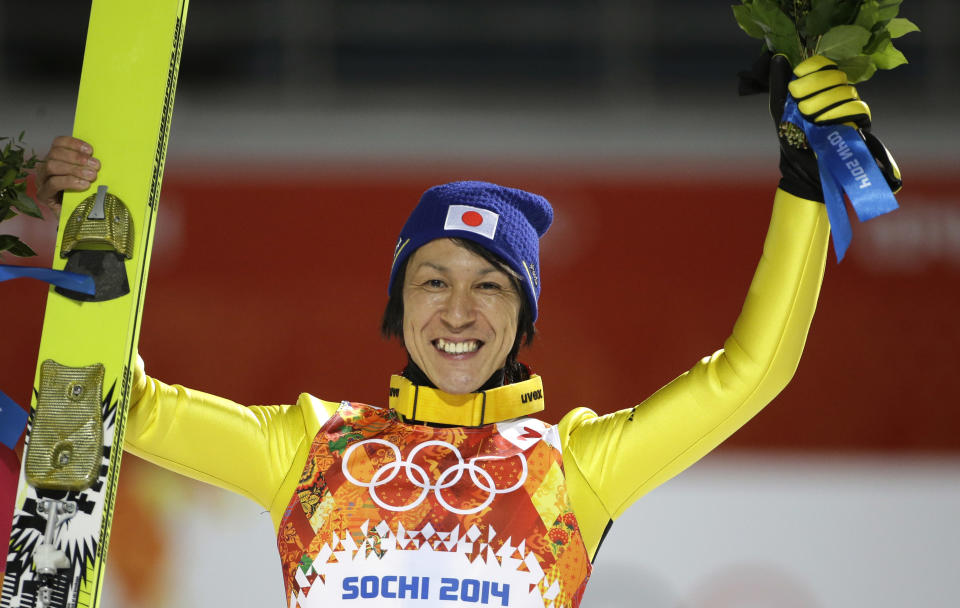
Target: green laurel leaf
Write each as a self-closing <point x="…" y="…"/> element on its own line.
<point x="768" y="15"/>
<point x="825" y="14"/>
<point x="888" y="57"/>
<point x="843" y="42"/>
<point x="26" y="205"/>
<point x="857" y="34"/>
<point x="744" y="16"/>
<point x="868" y="15"/>
<point x="15" y="246"/>
<point x="857" y="69"/>
<point x="7" y="241"/>
<point x="7" y="180"/>
<point x="900" y="26"/>
<point x="779" y="30"/>
<point x="14" y="165"/>
<point x="888" y="9"/>
<point x="877" y="41"/>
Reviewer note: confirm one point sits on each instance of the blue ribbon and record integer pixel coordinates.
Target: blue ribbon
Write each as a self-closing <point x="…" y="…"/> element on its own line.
<point x="61" y="278"/>
<point x="13" y="419"/>
<point x="846" y="165"/>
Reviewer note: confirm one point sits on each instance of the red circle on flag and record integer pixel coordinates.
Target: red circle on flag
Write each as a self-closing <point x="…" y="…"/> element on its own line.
<point x="472" y="218"/>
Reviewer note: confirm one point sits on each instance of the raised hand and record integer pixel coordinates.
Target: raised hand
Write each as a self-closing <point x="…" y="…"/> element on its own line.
<point x="69" y="165"/>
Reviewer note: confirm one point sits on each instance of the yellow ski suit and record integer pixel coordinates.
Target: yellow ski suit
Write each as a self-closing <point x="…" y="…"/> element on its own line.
<point x="609" y="461"/>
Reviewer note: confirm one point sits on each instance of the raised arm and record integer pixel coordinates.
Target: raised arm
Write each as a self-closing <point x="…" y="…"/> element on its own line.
<point x="621" y="456"/>
<point x="610" y="461"/>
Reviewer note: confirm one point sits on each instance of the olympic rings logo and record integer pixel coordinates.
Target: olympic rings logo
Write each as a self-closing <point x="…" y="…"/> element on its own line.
<point x="418" y="476"/>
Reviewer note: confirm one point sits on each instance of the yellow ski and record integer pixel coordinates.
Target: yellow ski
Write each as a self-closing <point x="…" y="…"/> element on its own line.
<point x="68" y="481"/>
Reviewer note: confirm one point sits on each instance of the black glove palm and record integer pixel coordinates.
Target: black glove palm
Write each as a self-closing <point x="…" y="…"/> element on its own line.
<point x="799" y="174"/>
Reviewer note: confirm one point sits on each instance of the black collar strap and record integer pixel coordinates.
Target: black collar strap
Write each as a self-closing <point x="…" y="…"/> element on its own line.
<point x="471" y="409"/>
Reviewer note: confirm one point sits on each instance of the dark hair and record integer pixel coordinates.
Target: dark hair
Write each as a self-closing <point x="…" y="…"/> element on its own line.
<point x="392" y="324"/>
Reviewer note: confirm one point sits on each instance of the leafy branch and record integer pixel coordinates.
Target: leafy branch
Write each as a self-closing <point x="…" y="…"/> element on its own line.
<point x="857" y="34"/>
<point x="14" y="165"/>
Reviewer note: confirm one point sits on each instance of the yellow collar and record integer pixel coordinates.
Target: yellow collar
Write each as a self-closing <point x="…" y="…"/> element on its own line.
<point x="472" y="409"/>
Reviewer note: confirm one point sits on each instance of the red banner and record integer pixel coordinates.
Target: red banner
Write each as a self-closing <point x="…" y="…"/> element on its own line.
<point x="266" y="283"/>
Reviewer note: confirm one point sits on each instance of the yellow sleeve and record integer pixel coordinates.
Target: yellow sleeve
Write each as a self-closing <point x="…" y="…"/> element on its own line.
<point x="256" y="451"/>
<point x="610" y="461"/>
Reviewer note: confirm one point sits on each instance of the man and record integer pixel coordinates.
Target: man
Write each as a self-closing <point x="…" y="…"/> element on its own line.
<point x="455" y="493"/>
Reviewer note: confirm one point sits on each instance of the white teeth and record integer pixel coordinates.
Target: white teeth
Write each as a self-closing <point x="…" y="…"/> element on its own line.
<point x="457" y="348"/>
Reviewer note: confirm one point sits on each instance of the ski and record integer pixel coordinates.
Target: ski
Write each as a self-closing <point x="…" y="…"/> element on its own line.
<point x="71" y="463"/>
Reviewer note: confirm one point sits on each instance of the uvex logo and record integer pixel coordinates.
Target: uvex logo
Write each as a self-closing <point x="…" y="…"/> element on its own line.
<point x="531" y="396"/>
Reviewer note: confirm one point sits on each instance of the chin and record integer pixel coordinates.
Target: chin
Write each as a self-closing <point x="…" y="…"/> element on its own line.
<point x="458" y="388"/>
<point x="459" y="384"/>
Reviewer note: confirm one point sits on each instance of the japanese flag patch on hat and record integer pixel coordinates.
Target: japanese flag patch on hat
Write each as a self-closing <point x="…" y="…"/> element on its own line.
<point x="505" y="221"/>
<point x="472" y="219"/>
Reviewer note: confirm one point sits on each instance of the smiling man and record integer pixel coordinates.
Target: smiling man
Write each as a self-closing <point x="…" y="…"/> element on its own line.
<point x="455" y="493"/>
<point x="462" y="319"/>
<point x="455" y="485"/>
<point x="462" y="294"/>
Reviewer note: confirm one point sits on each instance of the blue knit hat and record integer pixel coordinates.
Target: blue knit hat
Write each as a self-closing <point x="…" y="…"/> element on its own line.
<point x="505" y="221"/>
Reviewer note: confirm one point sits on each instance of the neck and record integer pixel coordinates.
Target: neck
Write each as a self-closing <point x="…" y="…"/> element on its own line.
<point x="421" y="403"/>
<point x="414" y="374"/>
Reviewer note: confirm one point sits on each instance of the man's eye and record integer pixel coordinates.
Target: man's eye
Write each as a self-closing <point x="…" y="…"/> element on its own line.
<point x="435" y="283"/>
<point x="489" y="286"/>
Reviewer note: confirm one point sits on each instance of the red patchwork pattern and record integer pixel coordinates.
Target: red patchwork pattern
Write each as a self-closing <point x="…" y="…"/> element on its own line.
<point x="377" y="492"/>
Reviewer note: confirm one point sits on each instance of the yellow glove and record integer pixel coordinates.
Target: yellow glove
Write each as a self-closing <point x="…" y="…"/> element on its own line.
<point x="824" y="96"/>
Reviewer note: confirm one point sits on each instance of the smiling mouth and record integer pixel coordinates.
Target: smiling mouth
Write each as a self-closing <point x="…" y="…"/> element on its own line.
<point x="457" y="348"/>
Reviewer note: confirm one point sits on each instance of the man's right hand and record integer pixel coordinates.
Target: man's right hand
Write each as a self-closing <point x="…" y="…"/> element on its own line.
<point x="69" y="165"/>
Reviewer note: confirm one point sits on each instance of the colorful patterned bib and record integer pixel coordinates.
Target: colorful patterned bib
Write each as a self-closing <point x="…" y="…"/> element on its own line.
<point x="395" y="514"/>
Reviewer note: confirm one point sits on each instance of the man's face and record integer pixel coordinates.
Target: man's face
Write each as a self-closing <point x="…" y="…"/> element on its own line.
<point x="459" y="316"/>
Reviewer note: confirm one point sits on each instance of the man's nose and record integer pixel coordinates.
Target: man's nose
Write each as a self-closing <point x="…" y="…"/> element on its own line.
<point x="460" y="309"/>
